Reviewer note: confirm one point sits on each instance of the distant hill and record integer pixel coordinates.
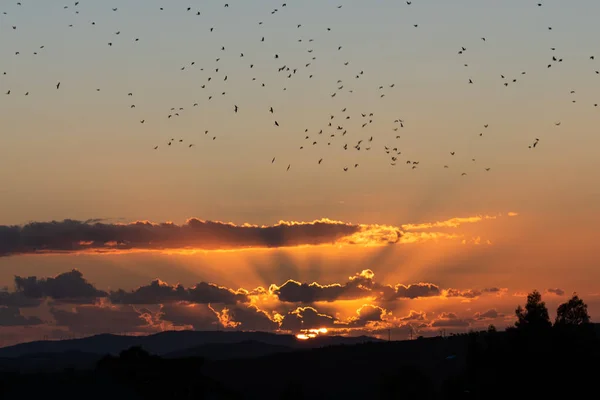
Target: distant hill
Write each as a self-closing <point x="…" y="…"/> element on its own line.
<point x="213" y="345"/>
<point x="227" y="351"/>
<point x="239" y="365"/>
<point x="343" y="369"/>
<point x="49" y="362"/>
<point x="324" y="367"/>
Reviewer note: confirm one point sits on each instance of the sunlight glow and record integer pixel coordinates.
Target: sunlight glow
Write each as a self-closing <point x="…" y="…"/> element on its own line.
<point x="307" y="334"/>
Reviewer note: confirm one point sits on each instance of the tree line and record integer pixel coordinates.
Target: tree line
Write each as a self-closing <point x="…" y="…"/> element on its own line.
<point x="535" y="358"/>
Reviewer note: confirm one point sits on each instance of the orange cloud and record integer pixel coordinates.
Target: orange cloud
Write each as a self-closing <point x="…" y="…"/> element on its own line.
<point x="368" y="313"/>
<point x="225" y="318"/>
<point x="72" y="288"/>
<point x="71" y="236"/>
<point x="450" y="223"/>
<point x="292" y="307"/>
<point x="362" y="286"/>
<point x="414" y="316"/>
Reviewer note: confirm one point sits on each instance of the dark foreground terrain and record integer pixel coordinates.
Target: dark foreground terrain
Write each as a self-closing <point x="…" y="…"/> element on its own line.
<point x="84" y="354"/>
<point x="517" y="364"/>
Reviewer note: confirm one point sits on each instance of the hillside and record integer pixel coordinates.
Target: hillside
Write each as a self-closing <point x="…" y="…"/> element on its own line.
<point x="550" y="363"/>
<point x="214" y="345"/>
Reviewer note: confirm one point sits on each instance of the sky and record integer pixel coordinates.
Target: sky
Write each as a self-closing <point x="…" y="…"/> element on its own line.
<point x="89" y="207"/>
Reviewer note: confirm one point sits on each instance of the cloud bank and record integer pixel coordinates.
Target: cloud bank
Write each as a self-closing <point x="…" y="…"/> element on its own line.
<point x="71" y="236"/>
<point x="361" y="286"/>
<point x="76" y="306"/>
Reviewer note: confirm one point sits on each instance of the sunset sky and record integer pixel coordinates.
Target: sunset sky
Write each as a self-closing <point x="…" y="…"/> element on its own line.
<point x="255" y="246"/>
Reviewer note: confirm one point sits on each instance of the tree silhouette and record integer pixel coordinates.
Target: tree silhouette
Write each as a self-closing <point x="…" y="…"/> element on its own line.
<point x="492" y="329"/>
<point x="572" y="313"/>
<point x="535" y="315"/>
<point x="134" y="353"/>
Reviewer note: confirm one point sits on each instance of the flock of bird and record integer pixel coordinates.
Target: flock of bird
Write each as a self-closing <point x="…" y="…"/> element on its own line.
<point x="337" y="125"/>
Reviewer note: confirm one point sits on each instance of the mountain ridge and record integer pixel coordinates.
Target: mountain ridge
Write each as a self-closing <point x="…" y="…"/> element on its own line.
<point x="171" y="342"/>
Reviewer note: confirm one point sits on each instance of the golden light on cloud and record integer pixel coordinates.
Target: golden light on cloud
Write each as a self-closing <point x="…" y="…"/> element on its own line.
<point x="307" y="334"/>
<point x="356" y="307"/>
<point x="202" y="236"/>
<point x="450" y="223"/>
<point x="225" y="318"/>
<point x="421" y="237"/>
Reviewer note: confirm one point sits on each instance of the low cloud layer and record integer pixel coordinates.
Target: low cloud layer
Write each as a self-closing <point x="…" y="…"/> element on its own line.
<point x="105" y="318"/>
<point x="67" y="287"/>
<point x="73" y="236"/>
<point x="556" y="291"/>
<point x="76" y="306"/>
<point x="159" y="292"/>
<point x="362" y="286"/>
<point x="70" y="236"/>
<point x="72" y="287"/>
<point x="11" y="316"/>
<point x="489" y="314"/>
<point x="450" y="320"/>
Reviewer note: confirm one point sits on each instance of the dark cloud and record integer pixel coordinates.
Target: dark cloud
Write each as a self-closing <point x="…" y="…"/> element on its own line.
<point x="66" y="287"/>
<point x="359" y="286"/>
<point x="450" y="320"/>
<point x="490" y="314"/>
<point x="417" y="290"/>
<point x="414" y="316"/>
<point x="92" y="319"/>
<point x="193" y="316"/>
<point x="17" y="299"/>
<point x="206" y="317"/>
<point x="366" y="314"/>
<point x="73" y="236"/>
<point x="556" y="291"/>
<point x="72" y="287"/>
<point x="11" y="316"/>
<point x="306" y="318"/>
<point x="467" y="294"/>
<point x="210" y="293"/>
<point x="296" y="292"/>
<point x="251" y="318"/>
<point x="159" y="292"/>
